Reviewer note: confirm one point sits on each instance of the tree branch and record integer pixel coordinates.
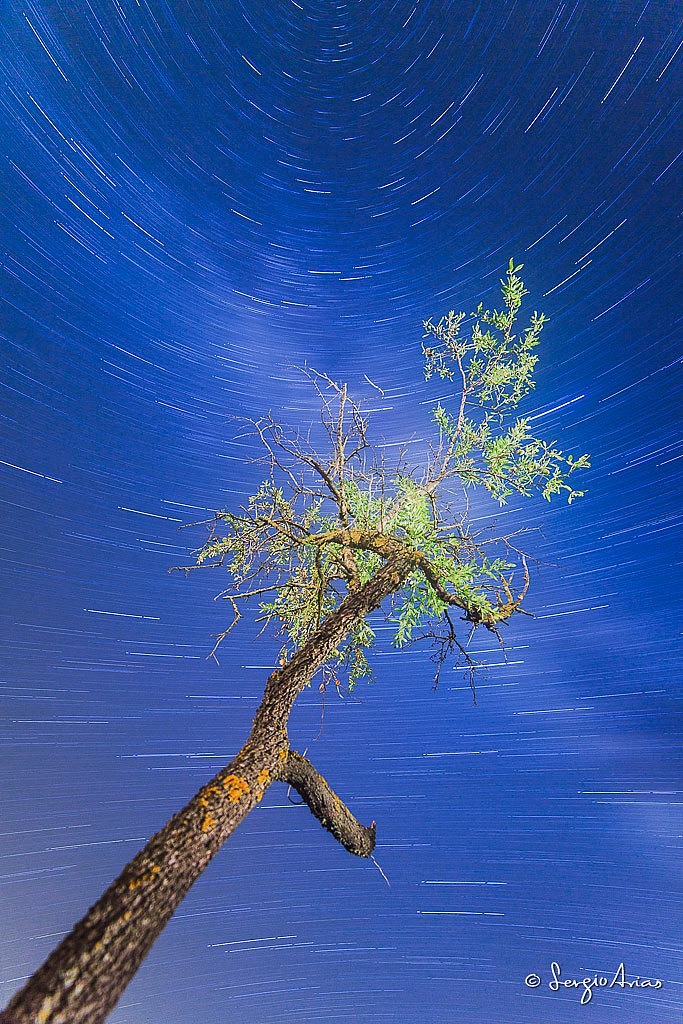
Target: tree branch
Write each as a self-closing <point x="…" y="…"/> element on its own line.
<point x="326" y="806"/>
<point x="386" y="546"/>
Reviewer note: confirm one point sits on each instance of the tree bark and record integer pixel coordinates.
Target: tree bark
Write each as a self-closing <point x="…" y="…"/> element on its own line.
<point x="324" y="803"/>
<point x="84" y="977"/>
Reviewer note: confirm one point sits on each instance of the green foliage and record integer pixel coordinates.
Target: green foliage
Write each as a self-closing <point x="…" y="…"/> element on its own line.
<point x="289" y="548"/>
<point x="494" y="368"/>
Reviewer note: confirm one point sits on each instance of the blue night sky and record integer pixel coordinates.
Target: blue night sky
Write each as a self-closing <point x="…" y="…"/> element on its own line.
<point x="197" y="199"/>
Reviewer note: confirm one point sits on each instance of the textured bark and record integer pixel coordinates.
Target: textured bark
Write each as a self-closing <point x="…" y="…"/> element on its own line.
<point x="326" y="806"/>
<point x="83" y="978"/>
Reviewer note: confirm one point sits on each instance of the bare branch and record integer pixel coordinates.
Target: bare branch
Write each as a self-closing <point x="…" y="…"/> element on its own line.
<point x="326" y="806"/>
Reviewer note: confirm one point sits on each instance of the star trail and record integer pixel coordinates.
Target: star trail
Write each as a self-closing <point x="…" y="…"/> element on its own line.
<point x="197" y="201"/>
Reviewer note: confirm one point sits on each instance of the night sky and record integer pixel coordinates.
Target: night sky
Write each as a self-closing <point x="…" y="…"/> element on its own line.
<point x="198" y="198"/>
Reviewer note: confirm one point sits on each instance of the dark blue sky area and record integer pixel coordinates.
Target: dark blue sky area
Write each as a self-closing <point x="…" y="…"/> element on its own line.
<point x="197" y="199"/>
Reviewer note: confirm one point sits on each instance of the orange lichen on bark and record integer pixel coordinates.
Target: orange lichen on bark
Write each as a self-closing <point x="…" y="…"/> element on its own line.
<point x="208" y="822"/>
<point x="236" y="787"/>
<point x="263" y="779"/>
<point x="135" y="883"/>
<point x="204" y="800"/>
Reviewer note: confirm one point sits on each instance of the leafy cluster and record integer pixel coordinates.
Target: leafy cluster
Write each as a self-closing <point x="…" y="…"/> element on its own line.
<point x="494" y="369"/>
<point x="320" y="524"/>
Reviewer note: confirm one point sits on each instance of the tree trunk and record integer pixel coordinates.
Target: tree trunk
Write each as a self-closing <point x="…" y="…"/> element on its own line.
<point x="83" y="978"/>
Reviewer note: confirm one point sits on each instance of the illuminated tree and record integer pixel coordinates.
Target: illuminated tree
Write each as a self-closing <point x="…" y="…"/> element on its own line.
<point x="333" y="534"/>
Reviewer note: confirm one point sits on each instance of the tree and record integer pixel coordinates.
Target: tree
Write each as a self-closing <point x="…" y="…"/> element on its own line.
<point x="332" y="534"/>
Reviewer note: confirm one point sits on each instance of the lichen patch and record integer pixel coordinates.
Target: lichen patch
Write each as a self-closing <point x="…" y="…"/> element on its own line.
<point x="208" y="822"/>
<point x="236" y="787"/>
